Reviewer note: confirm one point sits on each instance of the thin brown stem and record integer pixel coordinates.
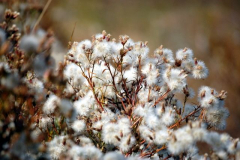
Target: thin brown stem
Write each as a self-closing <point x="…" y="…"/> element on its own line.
<point x="190" y="114"/>
<point x="41" y="15"/>
<point x="185" y="100"/>
<point x="162" y="97"/>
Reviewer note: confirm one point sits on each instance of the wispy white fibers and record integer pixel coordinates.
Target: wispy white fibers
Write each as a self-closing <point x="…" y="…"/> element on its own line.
<point x="121" y="103"/>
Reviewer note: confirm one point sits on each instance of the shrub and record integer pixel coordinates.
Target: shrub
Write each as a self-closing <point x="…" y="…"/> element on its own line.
<point x="107" y="100"/>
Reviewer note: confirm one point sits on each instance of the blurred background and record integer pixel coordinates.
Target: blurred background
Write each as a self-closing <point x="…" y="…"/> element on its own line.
<point x="210" y="28"/>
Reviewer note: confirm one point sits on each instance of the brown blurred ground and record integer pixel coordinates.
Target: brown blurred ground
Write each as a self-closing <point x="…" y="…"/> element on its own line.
<point x="211" y="29"/>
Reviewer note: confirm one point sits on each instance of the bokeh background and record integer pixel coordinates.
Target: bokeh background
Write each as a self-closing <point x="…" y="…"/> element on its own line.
<point x="210" y="28"/>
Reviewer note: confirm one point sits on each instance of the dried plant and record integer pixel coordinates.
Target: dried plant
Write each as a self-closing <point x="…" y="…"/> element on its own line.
<point x="107" y="100"/>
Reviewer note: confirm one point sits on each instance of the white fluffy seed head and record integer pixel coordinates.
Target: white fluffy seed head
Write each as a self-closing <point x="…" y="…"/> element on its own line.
<point x="113" y="156"/>
<point x="207" y="97"/>
<point x="140" y="49"/>
<point x="164" y="55"/>
<point x="111" y="134"/>
<point x="200" y="71"/>
<point x="78" y="126"/>
<point x="51" y="104"/>
<point x="161" y="137"/>
<point x="175" y="79"/>
<point x="130" y="74"/>
<point x="101" y="49"/>
<point x="168" y="117"/>
<point x="146" y="133"/>
<point x="216" y="117"/>
<point x="184" y="54"/>
<point x="127" y="142"/>
<point x="45" y="122"/>
<point x="85" y="105"/>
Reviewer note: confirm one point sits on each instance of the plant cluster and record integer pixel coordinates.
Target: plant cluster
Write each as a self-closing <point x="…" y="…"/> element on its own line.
<point x="108" y="100"/>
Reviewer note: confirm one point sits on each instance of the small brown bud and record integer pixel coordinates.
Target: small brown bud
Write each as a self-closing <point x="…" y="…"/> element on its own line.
<point x="199" y="67"/>
<point x="178" y="63"/>
<point x="174" y="138"/>
<point x="11" y="15"/>
<point x="205" y="156"/>
<point x="108" y="37"/>
<point x="165" y="59"/>
<point x="150" y="137"/>
<point x="130" y="48"/>
<point x="83" y="46"/>
<point x="222" y="95"/>
<point x="212" y="91"/>
<point x="160" y="52"/>
<point x="190" y="123"/>
<point x="121" y="134"/>
<point x="163" y="107"/>
<point x="123" y="52"/>
<point x="195" y="61"/>
<point x="202" y="94"/>
<point x="104" y="33"/>
<point x="118" y="138"/>
<point x="236" y="143"/>
<point x="185" y="49"/>
<point x="211" y="101"/>
<point x="64" y="142"/>
<point x="129" y="140"/>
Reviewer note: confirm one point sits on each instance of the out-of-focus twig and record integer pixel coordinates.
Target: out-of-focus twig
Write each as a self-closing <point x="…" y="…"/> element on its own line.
<point x="41" y="15"/>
